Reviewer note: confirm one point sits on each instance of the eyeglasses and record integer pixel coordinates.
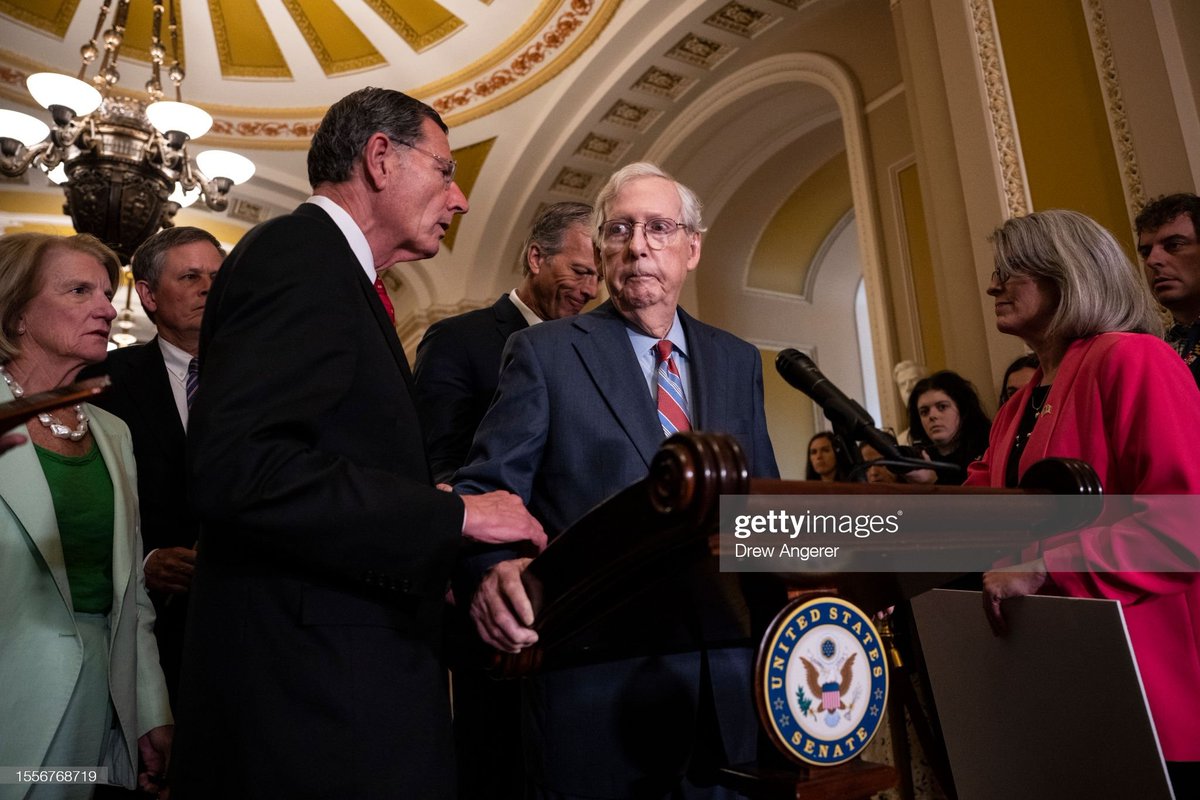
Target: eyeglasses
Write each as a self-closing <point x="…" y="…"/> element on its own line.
<point x="448" y="165"/>
<point x="1014" y="277"/>
<point x="617" y="232"/>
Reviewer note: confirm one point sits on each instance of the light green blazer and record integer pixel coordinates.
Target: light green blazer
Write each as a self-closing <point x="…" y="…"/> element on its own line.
<point x="41" y="651"/>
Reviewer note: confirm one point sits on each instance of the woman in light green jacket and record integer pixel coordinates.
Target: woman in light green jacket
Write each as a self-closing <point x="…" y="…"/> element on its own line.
<point x="80" y="683"/>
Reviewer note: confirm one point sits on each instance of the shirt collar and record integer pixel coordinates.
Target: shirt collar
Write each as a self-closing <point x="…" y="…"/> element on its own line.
<point x="349" y="228"/>
<point x="642" y="341"/>
<point x="175" y="359"/>
<point x="526" y="311"/>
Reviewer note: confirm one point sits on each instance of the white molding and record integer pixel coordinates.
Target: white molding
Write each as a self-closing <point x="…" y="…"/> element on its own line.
<point x="1114" y="108"/>
<point x="904" y="267"/>
<point x="1006" y="141"/>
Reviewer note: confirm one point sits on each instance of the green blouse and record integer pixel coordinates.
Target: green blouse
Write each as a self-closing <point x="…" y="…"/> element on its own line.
<point x="82" y="491"/>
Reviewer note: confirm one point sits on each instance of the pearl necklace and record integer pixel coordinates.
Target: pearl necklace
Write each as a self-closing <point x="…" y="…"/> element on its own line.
<point x="57" y="429"/>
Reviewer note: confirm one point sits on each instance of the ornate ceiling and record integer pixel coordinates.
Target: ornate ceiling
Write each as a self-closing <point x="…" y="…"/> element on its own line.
<point x="267" y="70"/>
<point x="743" y="100"/>
<point x="615" y="72"/>
<point x="544" y="98"/>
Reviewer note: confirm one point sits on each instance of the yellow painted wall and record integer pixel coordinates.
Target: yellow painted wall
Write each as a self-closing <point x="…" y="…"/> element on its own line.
<point x="470" y="163"/>
<point x="791" y="240"/>
<point x="789" y="419"/>
<point x="1059" y="107"/>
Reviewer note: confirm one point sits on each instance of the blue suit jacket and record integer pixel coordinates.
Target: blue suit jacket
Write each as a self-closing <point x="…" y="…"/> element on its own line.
<point x="573" y="422"/>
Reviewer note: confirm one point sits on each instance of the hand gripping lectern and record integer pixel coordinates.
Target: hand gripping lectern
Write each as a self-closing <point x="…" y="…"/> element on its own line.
<point x="597" y="595"/>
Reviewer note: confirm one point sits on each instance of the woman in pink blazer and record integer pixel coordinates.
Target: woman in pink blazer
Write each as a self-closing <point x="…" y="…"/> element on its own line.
<point x="1111" y="393"/>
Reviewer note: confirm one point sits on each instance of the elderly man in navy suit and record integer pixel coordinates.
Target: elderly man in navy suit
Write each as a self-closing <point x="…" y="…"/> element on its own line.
<point x="173" y="271"/>
<point x="583" y="405"/>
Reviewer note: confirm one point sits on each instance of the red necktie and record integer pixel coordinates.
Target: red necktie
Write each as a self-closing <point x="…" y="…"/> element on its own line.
<point x="381" y="290"/>
<point x="672" y="408"/>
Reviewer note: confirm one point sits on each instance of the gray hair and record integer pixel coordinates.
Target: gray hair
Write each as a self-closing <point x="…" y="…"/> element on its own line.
<point x="689" y="204"/>
<point x="351" y="121"/>
<point x="23" y="259"/>
<point x="550" y="228"/>
<point x="1099" y="288"/>
<point x="150" y="257"/>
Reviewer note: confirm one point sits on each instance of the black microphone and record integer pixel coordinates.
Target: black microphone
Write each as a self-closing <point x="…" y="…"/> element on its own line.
<point x="844" y="412"/>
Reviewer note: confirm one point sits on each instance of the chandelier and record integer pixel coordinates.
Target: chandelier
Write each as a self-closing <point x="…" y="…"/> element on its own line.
<point x="123" y="164"/>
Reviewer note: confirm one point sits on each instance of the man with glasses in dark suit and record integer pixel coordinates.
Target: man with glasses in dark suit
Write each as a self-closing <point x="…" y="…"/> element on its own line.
<point x="583" y="405"/>
<point x="311" y="664"/>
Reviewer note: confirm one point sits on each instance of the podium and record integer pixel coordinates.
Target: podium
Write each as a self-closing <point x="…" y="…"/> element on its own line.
<point x="601" y="570"/>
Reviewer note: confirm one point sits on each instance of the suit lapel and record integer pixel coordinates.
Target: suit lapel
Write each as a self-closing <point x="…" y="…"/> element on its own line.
<point x="385" y="327"/>
<point x="508" y="318"/>
<point x="150" y="386"/>
<point x="999" y="462"/>
<point x="350" y="262"/>
<point x="124" y="503"/>
<point x="607" y="357"/>
<point x="704" y="360"/>
<point x="1055" y="406"/>
<point x="24" y="489"/>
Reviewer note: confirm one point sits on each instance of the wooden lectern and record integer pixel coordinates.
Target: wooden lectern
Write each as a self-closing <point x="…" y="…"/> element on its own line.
<point x="601" y="568"/>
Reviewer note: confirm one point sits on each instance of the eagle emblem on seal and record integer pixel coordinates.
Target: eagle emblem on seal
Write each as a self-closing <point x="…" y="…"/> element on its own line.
<point x="830" y="691"/>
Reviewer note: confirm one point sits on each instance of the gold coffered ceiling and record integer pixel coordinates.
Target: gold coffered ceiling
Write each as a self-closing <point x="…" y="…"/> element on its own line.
<point x="250" y="61"/>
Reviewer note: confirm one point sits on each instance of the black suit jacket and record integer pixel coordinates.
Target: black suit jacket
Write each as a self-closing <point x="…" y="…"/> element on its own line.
<point x="141" y="396"/>
<point x="311" y="661"/>
<point x="457" y="370"/>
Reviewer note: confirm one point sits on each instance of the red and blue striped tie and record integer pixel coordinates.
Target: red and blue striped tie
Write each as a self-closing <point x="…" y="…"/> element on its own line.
<point x="672" y="407"/>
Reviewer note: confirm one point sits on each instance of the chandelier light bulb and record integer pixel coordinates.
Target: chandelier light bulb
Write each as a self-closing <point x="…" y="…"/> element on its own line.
<point x="224" y="164"/>
<point x="25" y="129"/>
<point x="55" y="89"/>
<point x="168" y="115"/>
<point x="58" y="174"/>
<point x="128" y="162"/>
<point x="182" y="198"/>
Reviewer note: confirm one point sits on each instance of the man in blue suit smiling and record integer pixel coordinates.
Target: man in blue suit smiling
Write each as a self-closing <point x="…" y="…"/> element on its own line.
<point x="583" y="405"/>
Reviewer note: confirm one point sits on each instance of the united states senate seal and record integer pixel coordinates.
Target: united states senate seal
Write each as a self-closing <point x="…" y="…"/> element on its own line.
<point x="822" y="681"/>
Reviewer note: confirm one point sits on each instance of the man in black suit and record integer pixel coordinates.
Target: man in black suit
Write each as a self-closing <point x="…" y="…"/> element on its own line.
<point x="173" y="271"/>
<point x="458" y="366"/>
<point x="311" y="663"/>
<point x="583" y="405"/>
<point x="458" y="359"/>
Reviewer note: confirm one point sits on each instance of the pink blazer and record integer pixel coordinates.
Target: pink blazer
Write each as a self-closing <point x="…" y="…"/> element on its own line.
<point x="1126" y="404"/>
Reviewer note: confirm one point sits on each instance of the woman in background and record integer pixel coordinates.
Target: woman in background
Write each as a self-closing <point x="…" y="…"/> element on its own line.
<point x="826" y="459"/>
<point x="947" y="422"/>
<point x="1019" y="373"/>
<point x="1111" y="393"/>
<point x="78" y="661"/>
